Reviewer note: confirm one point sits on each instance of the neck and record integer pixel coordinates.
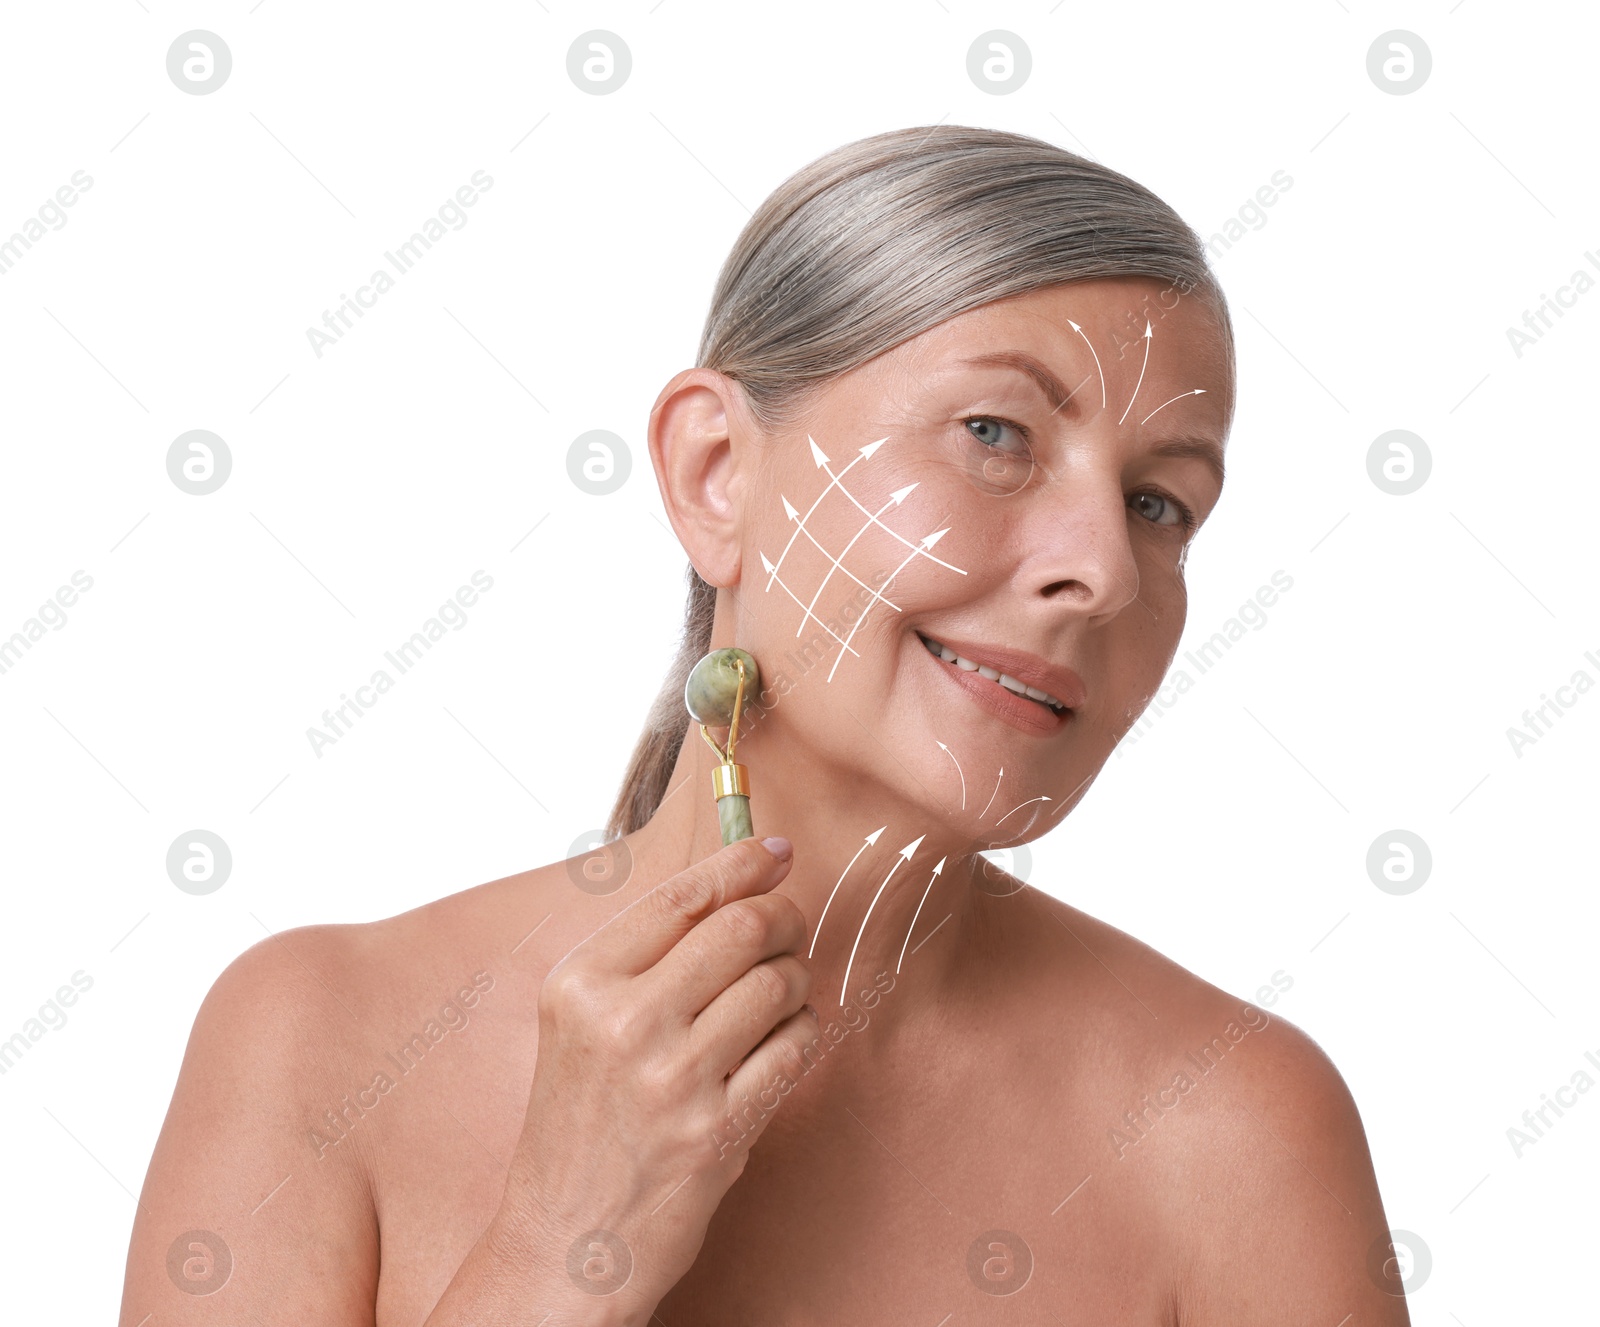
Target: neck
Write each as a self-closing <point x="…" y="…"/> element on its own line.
<point x="882" y="914"/>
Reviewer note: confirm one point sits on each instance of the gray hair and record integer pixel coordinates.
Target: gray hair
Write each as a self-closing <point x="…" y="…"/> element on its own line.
<point x="875" y="243"/>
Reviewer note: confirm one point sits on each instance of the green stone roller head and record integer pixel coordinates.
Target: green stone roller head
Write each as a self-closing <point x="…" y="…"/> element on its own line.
<point x="715" y="694"/>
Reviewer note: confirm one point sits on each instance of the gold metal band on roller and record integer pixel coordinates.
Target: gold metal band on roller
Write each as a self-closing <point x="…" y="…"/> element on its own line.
<point x="728" y="780"/>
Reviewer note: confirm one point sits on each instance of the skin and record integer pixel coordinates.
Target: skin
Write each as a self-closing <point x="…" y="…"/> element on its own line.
<point x="1020" y="1069"/>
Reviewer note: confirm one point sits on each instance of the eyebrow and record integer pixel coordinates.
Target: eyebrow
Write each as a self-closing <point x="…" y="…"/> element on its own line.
<point x="1056" y="393"/>
<point x="1199" y="449"/>
<point x="1053" y="388"/>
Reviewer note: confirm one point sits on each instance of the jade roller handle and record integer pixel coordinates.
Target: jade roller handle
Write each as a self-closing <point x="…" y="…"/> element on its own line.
<point x="731" y="785"/>
<point x="710" y="695"/>
<point x="733" y="813"/>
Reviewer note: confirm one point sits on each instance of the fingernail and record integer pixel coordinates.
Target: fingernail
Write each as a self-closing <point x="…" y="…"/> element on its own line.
<point x="780" y="848"/>
<point x="812" y="1010"/>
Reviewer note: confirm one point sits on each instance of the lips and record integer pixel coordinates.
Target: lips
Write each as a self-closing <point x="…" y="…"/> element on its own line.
<point x="1028" y="691"/>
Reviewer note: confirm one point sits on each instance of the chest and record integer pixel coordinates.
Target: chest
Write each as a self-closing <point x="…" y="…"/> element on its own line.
<point x="959" y="1175"/>
<point x="971" y="1206"/>
<point x="968" y="1192"/>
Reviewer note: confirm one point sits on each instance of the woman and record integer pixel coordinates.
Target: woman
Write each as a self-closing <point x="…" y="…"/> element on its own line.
<point x="959" y="411"/>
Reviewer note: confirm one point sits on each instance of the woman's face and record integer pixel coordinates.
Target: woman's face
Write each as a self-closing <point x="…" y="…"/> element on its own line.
<point x="1018" y="484"/>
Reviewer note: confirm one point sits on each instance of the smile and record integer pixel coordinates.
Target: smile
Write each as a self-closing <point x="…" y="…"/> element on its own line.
<point x="993" y="674"/>
<point x="1046" y="701"/>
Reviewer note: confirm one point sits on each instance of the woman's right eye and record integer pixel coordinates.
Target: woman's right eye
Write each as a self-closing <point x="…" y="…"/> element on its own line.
<point x="994" y="428"/>
<point x="1002" y="462"/>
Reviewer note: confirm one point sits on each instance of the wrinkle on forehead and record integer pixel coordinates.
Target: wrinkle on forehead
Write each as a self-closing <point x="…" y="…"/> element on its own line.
<point x="1045" y="313"/>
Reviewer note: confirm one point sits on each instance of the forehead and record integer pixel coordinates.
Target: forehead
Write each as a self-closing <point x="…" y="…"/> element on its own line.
<point x="1187" y="334"/>
<point x="1077" y="332"/>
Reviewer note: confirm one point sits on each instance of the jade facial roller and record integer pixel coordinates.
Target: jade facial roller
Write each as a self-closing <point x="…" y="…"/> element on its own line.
<point x="714" y="694"/>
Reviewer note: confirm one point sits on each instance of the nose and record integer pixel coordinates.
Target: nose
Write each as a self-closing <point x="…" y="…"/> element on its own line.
<point x="1079" y="552"/>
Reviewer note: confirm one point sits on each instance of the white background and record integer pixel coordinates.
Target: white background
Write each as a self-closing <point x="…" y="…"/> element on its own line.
<point x="369" y="483"/>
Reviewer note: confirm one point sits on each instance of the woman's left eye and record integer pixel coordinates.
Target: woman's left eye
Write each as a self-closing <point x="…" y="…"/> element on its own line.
<point x="1159" y="509"/>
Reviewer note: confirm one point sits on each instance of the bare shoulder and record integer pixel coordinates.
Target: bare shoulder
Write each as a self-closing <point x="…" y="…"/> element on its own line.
<point x="1247" y="1126"/>
<point x="269" y="1162"/>
<point x="229" y="1197"/>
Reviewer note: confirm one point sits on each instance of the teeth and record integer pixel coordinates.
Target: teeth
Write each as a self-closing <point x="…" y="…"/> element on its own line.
<point x="993" y="674"/>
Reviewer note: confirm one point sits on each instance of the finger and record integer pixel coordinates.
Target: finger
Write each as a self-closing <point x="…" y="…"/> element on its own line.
<point x="639" y="936"/>
<point x="773" y="1069"/>
<point x="734" y="1024"/>
<point x="722" y="949"/>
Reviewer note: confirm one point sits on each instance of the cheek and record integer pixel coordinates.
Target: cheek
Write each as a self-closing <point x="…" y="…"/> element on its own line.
<point x="846" y="531"/>
<point x="1161" y="580"/>
<point x="823" y="599"/>
<point x="1143" y="640"/>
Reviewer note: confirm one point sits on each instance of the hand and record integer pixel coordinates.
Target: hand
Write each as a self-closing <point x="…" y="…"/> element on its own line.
<point x="650" y="1032"/>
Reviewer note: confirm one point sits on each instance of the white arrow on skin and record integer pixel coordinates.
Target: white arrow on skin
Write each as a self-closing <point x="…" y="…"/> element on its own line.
<point x="895" y="499"/>
<point x="1142" y="368"/>
<point x="917" y="914"/>
<point x="1013" y="811"/>
<point x="952" y="756"/>
<point x="871" y="838"/>
<point x="905" y="856"/>
<point x="1098" y="369"/>
<point x="766" y="564"/>
<point x="928" y="541"/>
<point x="1198" y="391"/>
<point x="794" y="515"/>
<point x="864" y="454"/>
<point x="992" y="795"/>
<point x="822" y="461"/>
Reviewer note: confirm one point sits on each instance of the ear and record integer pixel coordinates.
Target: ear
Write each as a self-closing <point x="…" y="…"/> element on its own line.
<point x="697" y="432"/>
